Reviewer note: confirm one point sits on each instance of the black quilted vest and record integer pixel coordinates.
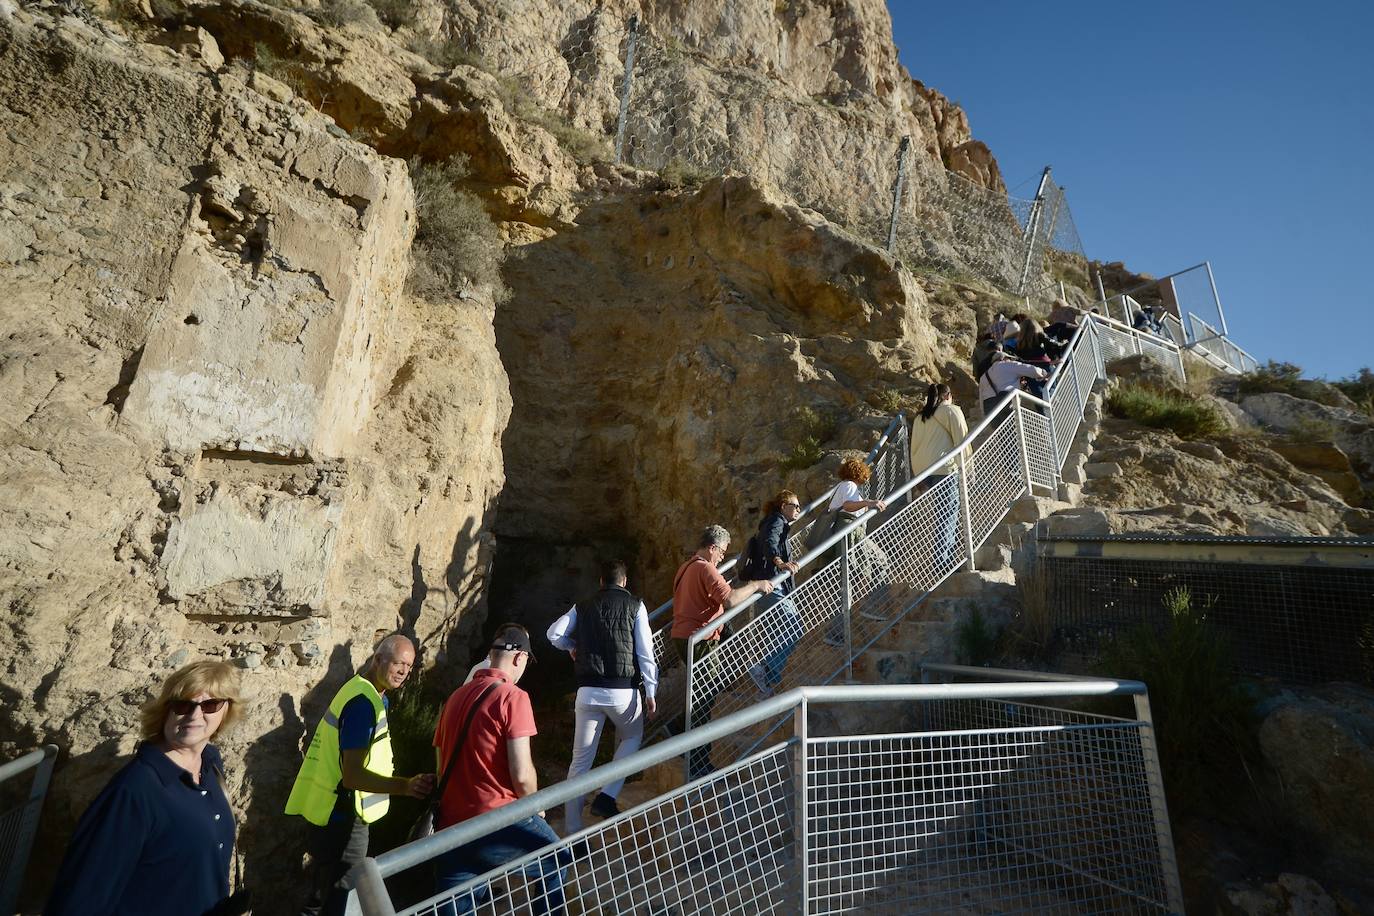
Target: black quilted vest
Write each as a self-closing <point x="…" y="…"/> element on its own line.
<point x="605" y="639"/>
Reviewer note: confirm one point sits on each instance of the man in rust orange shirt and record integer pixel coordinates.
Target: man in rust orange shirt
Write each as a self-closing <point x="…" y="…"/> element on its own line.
<point x="700" y="595"/>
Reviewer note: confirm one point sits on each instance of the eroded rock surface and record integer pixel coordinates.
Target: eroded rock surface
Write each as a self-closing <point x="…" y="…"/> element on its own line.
<point x="227" y="433"/>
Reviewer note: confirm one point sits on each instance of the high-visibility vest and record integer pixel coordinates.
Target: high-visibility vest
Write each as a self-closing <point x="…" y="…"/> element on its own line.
<point x="318" y="783"/>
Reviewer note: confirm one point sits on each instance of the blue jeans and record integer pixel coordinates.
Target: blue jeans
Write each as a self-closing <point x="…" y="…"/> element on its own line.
<point x="786" y="622"/>
<point x="480" y="856"/>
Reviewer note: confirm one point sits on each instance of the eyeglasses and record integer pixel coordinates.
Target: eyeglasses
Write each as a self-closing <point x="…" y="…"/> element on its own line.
<point x="186" y="707"/>
<point x="791" y="505"/>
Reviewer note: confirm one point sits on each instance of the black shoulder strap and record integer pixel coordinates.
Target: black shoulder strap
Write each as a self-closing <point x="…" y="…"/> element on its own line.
<point x="462" y="736"/>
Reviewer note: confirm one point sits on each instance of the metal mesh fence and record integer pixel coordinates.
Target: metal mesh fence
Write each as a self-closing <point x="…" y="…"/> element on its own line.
<point x="23" y="787"/>
<point x="720" y="845"/>
<point x="1299" y="623"/>
<point x="1020" y="818"/>
<point x="1007" y="799"/>
<point x="845" y="603"/>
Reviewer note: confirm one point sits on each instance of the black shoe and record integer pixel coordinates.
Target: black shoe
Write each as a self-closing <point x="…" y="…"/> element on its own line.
<point x="604" y="806"/>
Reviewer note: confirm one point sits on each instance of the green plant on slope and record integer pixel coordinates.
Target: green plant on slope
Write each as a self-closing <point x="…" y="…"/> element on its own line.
<point x="976" y="640"/>
<point x="1203" y="718"/>
<point x="814" y="429"/>
<point x="455" y="239"/>
<point x="1286" y="378"/>
<point x="1186" y="416"/>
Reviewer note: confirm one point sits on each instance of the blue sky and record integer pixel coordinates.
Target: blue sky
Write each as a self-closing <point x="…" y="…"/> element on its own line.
<point x="1240" y="133"/>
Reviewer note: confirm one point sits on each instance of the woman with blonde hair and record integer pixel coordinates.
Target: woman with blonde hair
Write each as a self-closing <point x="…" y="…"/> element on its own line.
<point x="159" y="837"/>
<point x="935" y="434"/>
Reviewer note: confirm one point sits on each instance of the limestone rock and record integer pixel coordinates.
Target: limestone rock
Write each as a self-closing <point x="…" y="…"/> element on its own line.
<point x="1320" y="742"/>
<point x="226" y="432"/>
<point x="1288" y="895"/>
<point x="1351" y="430"/>
<point x="1144" y="369"/>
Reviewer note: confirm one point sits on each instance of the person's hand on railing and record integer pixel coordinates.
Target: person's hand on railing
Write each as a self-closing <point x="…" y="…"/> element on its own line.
<point x="764" y="585"/>
<point x="879" y="504"/>
<point x="785" y="567"/>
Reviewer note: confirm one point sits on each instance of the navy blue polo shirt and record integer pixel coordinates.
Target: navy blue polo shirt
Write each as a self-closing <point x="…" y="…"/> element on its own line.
<point x="357" y="723"/>
<point x="153" y="843"/>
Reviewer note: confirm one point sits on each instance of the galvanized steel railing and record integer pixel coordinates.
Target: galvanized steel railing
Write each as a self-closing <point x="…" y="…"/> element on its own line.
<point x="859" y="584"/>
<point x="889" y="459"/>
<point x="1001" y="797"/>
<point x="19" y="822"/>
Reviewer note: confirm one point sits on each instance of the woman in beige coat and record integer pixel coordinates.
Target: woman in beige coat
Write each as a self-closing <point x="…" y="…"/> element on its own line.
<point x="935" y="433"/>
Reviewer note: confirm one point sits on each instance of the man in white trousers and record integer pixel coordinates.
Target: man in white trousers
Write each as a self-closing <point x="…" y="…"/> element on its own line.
<point x="609" y="639"/>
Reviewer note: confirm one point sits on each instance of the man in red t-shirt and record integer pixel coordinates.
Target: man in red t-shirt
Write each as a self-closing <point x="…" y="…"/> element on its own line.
<point x="700" y="595"/>
<point x="484" y="733"/>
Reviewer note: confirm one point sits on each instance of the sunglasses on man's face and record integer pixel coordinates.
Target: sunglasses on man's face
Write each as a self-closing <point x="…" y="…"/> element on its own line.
<point x="186" y="707"/>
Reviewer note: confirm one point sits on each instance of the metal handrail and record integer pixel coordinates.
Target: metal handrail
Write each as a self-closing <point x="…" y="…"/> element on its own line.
<point x="1034" y="687"/>
<point x="1092" y="326"/>
<point x="729" y="564"/>
<point x="26" y="813"/>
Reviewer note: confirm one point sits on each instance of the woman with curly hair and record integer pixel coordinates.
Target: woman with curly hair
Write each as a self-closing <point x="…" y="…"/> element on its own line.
<point x="159" y="837"/>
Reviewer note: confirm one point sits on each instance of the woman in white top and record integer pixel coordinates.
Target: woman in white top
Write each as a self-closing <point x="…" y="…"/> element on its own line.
<point x="935" y="433"/>
<point x="1004" y="375"/>
<point x="868" y="562"/>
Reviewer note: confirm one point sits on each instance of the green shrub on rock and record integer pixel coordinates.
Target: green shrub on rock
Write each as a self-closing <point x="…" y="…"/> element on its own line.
<point x="1179" y="412"/>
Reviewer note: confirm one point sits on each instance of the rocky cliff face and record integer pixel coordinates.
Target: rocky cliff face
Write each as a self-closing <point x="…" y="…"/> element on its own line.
<point x="228" y="431"/>
<point x="231" y="431"/>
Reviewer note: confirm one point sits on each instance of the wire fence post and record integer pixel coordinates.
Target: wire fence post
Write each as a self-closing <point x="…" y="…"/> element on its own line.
<point x="847" y="600"/>
<point x="626" y="85"/>
<point x="898" y="187"/>
<point x="966" y="508"/>
<point x="803" y="789"/>
<point x="1032" y="228"/>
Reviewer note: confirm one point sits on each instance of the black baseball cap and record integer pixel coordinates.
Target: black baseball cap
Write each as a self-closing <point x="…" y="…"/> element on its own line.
<point x="511" y="637"/>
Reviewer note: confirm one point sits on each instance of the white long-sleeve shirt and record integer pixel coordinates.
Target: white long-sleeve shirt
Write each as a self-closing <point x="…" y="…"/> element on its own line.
<point x="1002" y="375"/>
<point x="562" y="635"/>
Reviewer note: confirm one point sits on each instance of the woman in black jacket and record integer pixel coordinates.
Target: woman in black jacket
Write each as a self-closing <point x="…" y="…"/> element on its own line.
<point x="768" y="557"/>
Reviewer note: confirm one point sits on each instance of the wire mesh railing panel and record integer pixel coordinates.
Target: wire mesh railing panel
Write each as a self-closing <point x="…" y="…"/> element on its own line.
<point x="1021" y="819"/>
<point x="1065" y="409"/>
<point x="996" y="478"/>
<point x="724" y="844"/>
<point x="891" y="569"/>
<point x="890" y="470"/>
<point x="23" y="787"/>
<point x="1299" y="623"/>
<point x="1039" y="446"/>
<point x="774" y="633"/>
<point x="1116" y="343"/>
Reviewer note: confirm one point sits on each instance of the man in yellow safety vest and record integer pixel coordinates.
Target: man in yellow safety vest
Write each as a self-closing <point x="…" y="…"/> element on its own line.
<point x="346" y="778"/>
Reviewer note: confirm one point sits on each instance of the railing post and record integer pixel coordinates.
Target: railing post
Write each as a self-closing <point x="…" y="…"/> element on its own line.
<point x="689" y="661"/>
<point x="803" y="790"/>
<point x="847" y="599"/>
<point x="369" y="896"/>
<point x="1025" y="448"/>
<point x="1164" y="837"/>
<point x="966" y="508"/>
<point x="626" y="85"/>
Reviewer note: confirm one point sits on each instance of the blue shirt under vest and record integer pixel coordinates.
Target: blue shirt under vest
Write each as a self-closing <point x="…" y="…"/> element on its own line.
<point x="153" y="843"/>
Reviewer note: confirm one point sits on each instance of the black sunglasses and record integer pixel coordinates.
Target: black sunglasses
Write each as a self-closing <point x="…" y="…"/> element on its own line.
<point x="186" y="707"/>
